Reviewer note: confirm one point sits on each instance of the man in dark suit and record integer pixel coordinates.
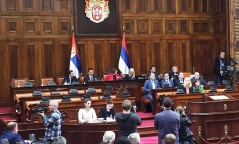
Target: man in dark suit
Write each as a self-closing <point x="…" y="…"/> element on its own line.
<point x="152" y="70"/>
<point x="180" y="80"/>
<point x="11" y="134"/>
<point x="167" y="121"/>
<point x="197" y="76"/>
<point x="167" y="81"/>
<point x="220" y="67"/>
<point x="90" y="77"/>
<point x="70" y="79"/>
<point x="150" y="84"/>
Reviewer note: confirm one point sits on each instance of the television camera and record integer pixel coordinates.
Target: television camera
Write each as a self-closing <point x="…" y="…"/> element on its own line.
<point x="230" y="72"/>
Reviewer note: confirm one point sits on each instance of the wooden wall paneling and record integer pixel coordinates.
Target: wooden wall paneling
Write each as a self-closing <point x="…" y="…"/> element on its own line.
<point x="13" y="58"/>
<point x="157" y="6"/>
<point x="30" y="46"/>
<point x="97" y="55"/>
<point x="64" y="26"/>
<point x="183" y="26"/>
<point x="5" y="76"/>
<point x="46" y="5"/>
<point x="170" y="26"/>
<point x="142" y="26"/>
<point x="64" y="57"/>
<point x="157" y="55"/>
<point x="133" y="61"/>
<point x="48" y="59"/>
<point x="28" y="5"/>
<point x="170" y="6"/>
<point x="47" y="26"/>
<point x="171" y="56"/>
<point x="22" y="61"/>
<point x="30" y="26"/>
<point x="156" y="27"/>
<point x="142" y="6"/>
<point x="204" y="6"/>
<point x="163" y="56"/>
<point x="12" y="26"/>
<point x="127" y="6"/>
<point x="184" y="6"/>
<point x="129" y="26"/>
<point x="186" y="62"/>
<point x="63" y="5"/>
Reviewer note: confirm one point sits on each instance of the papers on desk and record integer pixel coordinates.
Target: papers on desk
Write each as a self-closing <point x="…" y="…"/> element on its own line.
<point x="219" y="97"/>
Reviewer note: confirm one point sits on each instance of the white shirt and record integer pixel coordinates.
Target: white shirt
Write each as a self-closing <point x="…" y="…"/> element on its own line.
<point x="153" y="84"/>
<point x="90" y="115"/>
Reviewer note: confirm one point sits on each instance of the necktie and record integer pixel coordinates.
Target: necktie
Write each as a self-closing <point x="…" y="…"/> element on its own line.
<point x="70" y="80"/>
<point x="91" y="79"/>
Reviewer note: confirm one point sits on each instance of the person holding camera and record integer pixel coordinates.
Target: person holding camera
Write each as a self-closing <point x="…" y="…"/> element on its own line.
<point x="52" y="122"/>
<point x="185" y="135"/>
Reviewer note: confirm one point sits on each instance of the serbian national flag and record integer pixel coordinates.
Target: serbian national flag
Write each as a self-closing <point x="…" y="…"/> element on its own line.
<point x="75" y="63"/>
<point x="124" y="62"/>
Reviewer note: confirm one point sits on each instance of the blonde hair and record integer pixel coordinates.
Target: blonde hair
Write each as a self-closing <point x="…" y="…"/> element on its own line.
<point x="179" y="109"/>
<point x="174" y="67"/>
<point x="132" y="70"/>
<point x="185" y="82"/>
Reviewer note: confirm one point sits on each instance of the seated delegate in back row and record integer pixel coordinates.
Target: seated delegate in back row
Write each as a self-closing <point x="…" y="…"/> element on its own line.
<point x="152" y="70"/>
<point x="187" y="85"/>
<point x="113" y="76"/>
<point x="131" y="75"/>
<point x="197" y="76"/>
<point x="173" y="74"/>
<point x="87" y="114"/>
<point x="197" y="87"/>
<point x="108" y="110"/>
<point x="70" y="79"/>
<point x="90" y="77"/>
<point x="166" y="82"/>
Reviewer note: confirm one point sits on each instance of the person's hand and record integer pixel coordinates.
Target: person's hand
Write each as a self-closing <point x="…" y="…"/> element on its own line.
<point x="27" y="141"/>
<point x="41" y="113"/>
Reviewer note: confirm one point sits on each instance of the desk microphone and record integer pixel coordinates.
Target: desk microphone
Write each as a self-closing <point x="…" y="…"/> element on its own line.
<point x="38" y="92"/>
<point x="74" y="90"/>
<point x="108" y="87"/>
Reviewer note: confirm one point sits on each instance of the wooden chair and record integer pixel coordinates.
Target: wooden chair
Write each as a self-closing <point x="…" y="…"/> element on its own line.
<point x="81" y="80"/>
<point x="19" y="82"/>
<point x="187" y="74"/>
<point x="44" y="81"/>
<point x="144" y="101"/>
<point x="59" y="81"/>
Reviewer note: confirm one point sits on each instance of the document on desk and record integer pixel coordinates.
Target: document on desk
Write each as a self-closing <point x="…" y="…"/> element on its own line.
<point x="219" y="97"/>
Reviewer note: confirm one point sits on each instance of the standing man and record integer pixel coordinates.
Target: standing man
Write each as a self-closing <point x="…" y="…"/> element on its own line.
<point x="52" y="122"/>
<point x="220" y="67"/>
<point x="167" y="121"/>
<point x="127" y="122"/>
<point x="90" y="77"/>
<point x="150" y="84"/>
<point x="70" y="79"/>
<point x="11" y="134"/>
<point x="152" y="70"/>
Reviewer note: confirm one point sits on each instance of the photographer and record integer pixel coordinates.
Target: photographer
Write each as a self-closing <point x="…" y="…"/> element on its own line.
<point x="185" y="135"/>
<point x="52" y="122"/>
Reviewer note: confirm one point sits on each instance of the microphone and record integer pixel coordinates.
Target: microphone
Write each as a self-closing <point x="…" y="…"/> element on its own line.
<point x="38" y="92"/>
<point x="108" y="87"/>
<point x="74" y="90"/>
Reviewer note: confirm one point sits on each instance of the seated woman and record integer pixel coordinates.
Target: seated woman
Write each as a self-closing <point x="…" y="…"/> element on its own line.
<point x="197" y="87"/>
<point x="185" y="135"/>
<point x="87" y="114"/>
<point x="113" y="75"/>
<point x="187" y="85"/>
<point x="108" y="110"/>
<point x="131" y="75"/>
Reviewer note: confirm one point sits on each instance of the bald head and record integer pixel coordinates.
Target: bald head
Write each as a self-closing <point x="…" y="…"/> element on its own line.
<point x="12" y="126"/>
<point x="170" y="139"/>
<point x="196" y="75"/>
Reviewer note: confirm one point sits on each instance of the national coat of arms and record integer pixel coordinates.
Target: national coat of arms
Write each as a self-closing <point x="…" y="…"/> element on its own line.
<point x="97" y="10"/>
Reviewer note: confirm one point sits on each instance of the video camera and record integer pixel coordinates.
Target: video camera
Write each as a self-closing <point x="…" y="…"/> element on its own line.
<point x="39" y="107"/>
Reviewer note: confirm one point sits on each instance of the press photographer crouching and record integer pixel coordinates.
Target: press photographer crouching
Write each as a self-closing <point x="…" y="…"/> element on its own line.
<point x="52" y="122"/>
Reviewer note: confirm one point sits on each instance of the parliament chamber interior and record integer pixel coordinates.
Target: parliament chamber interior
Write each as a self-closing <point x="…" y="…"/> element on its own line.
<point x="100" y="41"/>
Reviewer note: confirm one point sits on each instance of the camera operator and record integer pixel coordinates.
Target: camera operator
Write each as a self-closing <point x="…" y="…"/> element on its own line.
<point x="220" y="67"/>
<point x="52" y="122"/>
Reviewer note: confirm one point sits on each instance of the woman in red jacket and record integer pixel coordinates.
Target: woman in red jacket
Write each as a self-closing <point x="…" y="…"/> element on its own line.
<point x="113" y="75"/>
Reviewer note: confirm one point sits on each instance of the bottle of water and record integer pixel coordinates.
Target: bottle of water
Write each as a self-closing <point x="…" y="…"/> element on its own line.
<point x="18" y="85"/>
<point x="42" y="84"/>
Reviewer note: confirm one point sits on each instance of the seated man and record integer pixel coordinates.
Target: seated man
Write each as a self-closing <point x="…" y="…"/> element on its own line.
<point x="90" y="77"/>
<point x="150" y="84"/>
<point x="108" y="138"/>
<point x="71" y="79"/>
<point x="108" y="110"/>
<point x="152" y="70"/>
<point x="166" y="81"/>
<point x="134" y="138"/>
<point x="180" y="80"/>
<point x="198" y="76"/>
<point x="11" y="134"/>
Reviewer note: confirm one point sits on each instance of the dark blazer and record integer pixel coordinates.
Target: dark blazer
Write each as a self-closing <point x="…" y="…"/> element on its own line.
<point x="184" y="132"/>
<point x="67" y="80"/>
<point x="127" y="77"/>
<point x="166" y="122"/>
<point x="12" y="137"/>
<point x="148" y="74"/>
<point x="177" y="83"/>
<point x="104" y="114"/>
<point x="87" y="78"/>
<point x="190" y="89"/>
<point x="170" y="82"/>
<point x="171" y="75"/>
<point x="202" y="81"/>
<point x="217" y="66"/>
<point x="148" y="86"/>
